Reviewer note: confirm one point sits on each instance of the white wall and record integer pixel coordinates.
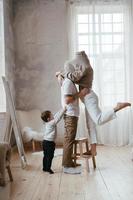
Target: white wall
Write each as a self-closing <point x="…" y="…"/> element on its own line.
<point x="41" y="50"/>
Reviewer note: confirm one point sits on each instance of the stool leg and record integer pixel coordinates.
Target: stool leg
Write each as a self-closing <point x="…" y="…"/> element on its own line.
<point x="94" y="162"/>
<point x="80" y="148"/>
<point x="33" y="145"/>
<point x="87" y="146"/>
<point x="9" y="173"/>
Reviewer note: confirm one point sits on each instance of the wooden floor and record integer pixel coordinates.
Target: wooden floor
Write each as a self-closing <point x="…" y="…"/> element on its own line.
<point x="112" y="180"/>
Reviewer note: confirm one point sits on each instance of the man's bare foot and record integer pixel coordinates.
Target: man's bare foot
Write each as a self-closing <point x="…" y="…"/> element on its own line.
<point x="93" y="150"/>
<point x="122" y="105"/>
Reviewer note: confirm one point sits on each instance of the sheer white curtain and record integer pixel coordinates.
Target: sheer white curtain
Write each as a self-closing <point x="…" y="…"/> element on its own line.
<point x="103" y="28"/>
<point x="2" y="60"/>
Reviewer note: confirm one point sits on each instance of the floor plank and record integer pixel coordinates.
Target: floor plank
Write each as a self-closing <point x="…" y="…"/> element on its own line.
<point x="112" y="179"/>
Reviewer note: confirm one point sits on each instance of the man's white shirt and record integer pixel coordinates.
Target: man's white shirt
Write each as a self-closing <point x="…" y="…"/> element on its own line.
<point x="69" y="88"/>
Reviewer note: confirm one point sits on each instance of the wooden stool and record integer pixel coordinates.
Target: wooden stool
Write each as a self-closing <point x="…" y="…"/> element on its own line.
<point x="5" y="156"/>
<point x="83" y="142"/>
<point x="36" y="145"/>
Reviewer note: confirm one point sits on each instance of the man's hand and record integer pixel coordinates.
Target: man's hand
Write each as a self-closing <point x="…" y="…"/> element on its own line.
<point x="60" y="78"/>
<point x="83" y="93"/>
<point x="57" y="74"/>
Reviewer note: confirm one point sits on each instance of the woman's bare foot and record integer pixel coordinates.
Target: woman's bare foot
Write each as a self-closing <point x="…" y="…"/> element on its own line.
<point x="93" y="149"/>
<point x="122" y="105"/>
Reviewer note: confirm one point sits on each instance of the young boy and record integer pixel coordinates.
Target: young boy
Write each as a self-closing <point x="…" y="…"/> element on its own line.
<point x="49" y="137"/>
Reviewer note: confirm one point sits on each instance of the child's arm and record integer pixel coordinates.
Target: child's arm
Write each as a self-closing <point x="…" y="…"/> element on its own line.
<point x="59" y="115"/>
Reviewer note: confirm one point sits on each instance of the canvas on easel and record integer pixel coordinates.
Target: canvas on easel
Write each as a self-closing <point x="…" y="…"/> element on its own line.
<point x="14" y="123"/>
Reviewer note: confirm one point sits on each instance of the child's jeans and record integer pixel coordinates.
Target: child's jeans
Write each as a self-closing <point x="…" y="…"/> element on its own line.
<point x="48" y="150"/>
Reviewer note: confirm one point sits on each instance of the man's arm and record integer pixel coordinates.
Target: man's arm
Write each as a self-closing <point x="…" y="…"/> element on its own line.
<point x="82" y="93"/>
<point x="69" y="98"/>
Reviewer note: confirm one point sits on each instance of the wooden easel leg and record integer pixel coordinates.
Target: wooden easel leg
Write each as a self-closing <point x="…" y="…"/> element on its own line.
<point x="13" y="115"/>
<point x="94" y="162"/>
<point x="9" y="173"/>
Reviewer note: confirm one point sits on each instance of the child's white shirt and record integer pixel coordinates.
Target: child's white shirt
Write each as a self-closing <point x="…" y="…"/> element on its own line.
<point x="50" y="129"/>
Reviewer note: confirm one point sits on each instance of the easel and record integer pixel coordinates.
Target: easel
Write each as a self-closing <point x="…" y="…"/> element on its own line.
<point x="8" y="128"/>
<point x="13" y="124"/>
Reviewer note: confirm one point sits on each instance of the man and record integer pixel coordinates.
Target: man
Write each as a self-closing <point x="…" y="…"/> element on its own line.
<point x="68" y="92"/>
<point x="80" y="72"/>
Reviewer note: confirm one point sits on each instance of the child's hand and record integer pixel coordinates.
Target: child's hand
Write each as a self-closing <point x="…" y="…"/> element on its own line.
<point x="65" y="108"/>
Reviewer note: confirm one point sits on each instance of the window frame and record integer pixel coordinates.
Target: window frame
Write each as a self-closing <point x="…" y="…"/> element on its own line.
<point x="94" y="54"/>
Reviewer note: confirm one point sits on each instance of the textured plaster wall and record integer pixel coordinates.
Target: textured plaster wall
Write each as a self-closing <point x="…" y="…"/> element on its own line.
<point x="9" y="43"/>
<point x="41" y="50"/>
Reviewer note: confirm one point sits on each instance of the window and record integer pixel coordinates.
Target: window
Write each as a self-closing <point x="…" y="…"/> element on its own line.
<point x="101" y="35"/>
<point x="2" y="61"/>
